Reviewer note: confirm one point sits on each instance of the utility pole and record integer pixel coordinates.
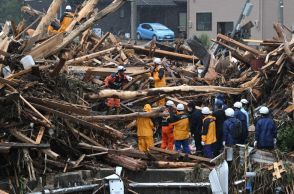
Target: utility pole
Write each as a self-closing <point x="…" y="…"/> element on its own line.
<point x="245" y="12"/>
<point x="133" y="19"/>
<point x="281" y="12"/>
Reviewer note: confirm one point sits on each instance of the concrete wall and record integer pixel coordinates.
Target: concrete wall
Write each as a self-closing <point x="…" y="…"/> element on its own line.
<point x="264" y="14"/>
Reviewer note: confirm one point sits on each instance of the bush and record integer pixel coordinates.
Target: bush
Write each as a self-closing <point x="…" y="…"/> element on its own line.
<point x="285" y="136"/>
<point x="205" y="40"/>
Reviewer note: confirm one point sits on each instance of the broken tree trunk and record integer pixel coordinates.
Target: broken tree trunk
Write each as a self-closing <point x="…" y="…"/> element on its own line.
<point x="90" y="56"/>
<point x="126" y="162"/>
<point x="48" y="18"/>
<point x="131" y="116"/>
<point x="85" y="11"/>
<point x="164" y="164"/>
<point x="165" y="90"/>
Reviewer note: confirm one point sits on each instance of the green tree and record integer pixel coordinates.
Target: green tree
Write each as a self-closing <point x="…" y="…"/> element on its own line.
<point x="10" y="10"/>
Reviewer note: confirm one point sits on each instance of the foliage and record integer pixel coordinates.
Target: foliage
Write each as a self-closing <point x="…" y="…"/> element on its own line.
<point x="10" y="10"/>
<point x="286" y="136"/>
<point x="205" y="40"/>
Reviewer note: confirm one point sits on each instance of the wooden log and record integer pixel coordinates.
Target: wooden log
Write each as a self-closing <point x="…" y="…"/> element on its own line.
<point x="48" y="18"/>
<point x="21" y="137"/>
<point x="63" y="106"/>
<point x="164" y="164"/>
<point x="78" y="133"/>
<point x="235" y="43"/>
<point x="90" y="56"/>
<point x="126" y="162"/>
<point x="83" y="13"/>
<point x="104" y="71"/>
<point x="91" y="147"/>
<point x="162" y="53"/>
<point x="100" y="42"/>
<point x="133" y="153"/>
<point x="165" y="90"/>
<point x="109" y="131"/>
<point x="123" y="117"/>
<point x="169" y="152"/>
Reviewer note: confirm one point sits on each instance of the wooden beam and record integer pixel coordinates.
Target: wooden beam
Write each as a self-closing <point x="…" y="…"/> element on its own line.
<point x="162" y="53"/>
<point x="107" y="93"/>
<point x="110" y="132"/>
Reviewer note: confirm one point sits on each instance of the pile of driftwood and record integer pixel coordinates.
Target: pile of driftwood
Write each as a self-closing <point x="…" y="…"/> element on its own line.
<point x="52" y="115"/>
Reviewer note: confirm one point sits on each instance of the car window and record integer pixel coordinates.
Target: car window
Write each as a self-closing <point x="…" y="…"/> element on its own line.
<point x="145" y="26"/>
<point x="149" y="27"/>
<point x="159" y="27"/>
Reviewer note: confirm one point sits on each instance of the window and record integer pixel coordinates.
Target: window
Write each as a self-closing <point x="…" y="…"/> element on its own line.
<point x="203" y="21"/>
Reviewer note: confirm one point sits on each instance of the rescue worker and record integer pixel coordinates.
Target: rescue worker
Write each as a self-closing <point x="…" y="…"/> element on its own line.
<point x="208" y="135"/>
<point x="66" y="18"/>
<point x="265" y="131"/>
<point x="158" y="76"/>
<point x="195" y="120"/>
<point x="167" y="133"/>
<point x="232" y="129"/>
<point x="145" y="129"/>
<point x="116" y="81"/>
<point x="220" y="116"/>
<point x="53" y="28"/>
<point x="242" y="117"/>
<point x="180" y="122"/>
<point x="244" y="110"/>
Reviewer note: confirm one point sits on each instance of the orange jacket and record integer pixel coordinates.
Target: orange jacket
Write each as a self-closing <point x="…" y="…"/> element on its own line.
<point x="65" y="21"/>
<point x="209" y="130"/>
<point x="115" y="81"/>
<point x="145" y="125"/>
<point x="180" y="122"/>
<point x="158" y="75"/>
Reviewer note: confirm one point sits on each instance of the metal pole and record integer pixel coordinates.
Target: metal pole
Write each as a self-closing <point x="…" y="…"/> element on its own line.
<point x="239" y="20"/>
<point x="281" y="12"/>
<point x="133" y="19"/>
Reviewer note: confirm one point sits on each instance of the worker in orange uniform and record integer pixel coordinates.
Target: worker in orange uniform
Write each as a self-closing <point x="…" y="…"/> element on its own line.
<point x="167" y="133"/>
<point x="208" y="135"/>
<point x="158" y="76"/>
<point x="66" y="18"/>
<point x="53" y="28"/>
<point x="145" y="128"/>
<point x="116" y="81"/>
<point x="180" y="122"/>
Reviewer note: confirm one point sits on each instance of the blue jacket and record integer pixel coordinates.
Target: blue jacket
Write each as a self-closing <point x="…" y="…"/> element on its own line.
<point x="247" y="116"/>
<point x="242" y="117"/>
<point x="265" y="132"/>
<point x="229" y="125"/>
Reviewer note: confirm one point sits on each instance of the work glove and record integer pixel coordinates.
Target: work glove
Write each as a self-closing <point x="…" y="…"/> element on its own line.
<point x="255" y="143"/>
<point x="224" y="143"/>
<point x="202" y="143"/>
<point x="151" y="79"/>
<point x="129" y="78"/>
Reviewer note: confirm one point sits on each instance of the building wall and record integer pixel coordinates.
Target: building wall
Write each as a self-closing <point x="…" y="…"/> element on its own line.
<point x="263" y="15"/>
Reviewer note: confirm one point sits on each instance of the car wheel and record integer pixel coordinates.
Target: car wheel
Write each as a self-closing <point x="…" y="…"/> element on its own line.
<point x="154" y="37"/>
<point x="139" y="36"/>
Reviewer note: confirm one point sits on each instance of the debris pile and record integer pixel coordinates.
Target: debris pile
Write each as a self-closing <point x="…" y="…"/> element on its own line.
<point x="52" y="110"/>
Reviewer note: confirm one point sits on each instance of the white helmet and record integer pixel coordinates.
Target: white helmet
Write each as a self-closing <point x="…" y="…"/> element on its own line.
<point x="68" y="7"/>
<point x="180" y="107"/>
<point x="121" y="68"/>
<point x="170" y="103"/>
<point x="157" y="60"/>
<point x="244" y="101"/>
<point x="229" y="112"/>
<point x="264" y="110"/>
<point x="205" y="111"/>
<point x="238" y="105"/>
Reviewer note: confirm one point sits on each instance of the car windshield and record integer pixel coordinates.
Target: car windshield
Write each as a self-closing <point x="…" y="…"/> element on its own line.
<point x="159" y="27"/>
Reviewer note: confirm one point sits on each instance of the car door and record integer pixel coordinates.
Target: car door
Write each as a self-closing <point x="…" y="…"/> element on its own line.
<point x="149" y="31"/>
<point x="144" y="31"/>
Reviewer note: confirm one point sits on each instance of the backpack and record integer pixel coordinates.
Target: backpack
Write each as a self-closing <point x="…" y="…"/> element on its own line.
<point x="236" y="129"/>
